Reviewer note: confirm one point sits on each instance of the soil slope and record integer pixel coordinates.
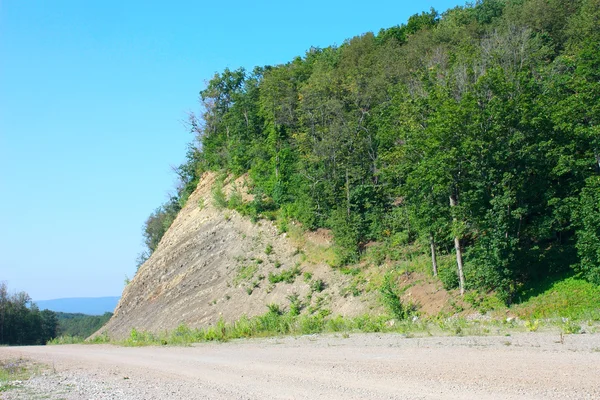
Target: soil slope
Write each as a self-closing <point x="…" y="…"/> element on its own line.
<point x="214" y="264"/>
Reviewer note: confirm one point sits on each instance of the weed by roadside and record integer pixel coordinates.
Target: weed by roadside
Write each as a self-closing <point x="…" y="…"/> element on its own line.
<point x="278" y="321"/>
<point x="14" y="372"/>
<point x="68" y="339"/>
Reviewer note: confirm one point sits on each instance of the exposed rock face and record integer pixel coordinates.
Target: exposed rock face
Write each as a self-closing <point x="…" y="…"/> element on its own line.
<point x="214" y="264"/>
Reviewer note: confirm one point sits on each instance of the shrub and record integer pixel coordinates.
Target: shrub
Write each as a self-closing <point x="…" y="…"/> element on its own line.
<point x="588" y="234"/>
<point x="317" y="285"/>
<point x="268" y="249"/>
<point x="235" y="201"/>
<point x="295" y="304"/>
<point x="288" y="276"/>
<point x="391" y="299"/>
<point x="448" y="275"/>
<point x="274" y="308"/>
<point x="218" y="196"/>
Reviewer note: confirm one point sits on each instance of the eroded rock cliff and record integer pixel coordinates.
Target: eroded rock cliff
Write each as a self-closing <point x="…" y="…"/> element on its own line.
<point x="214" y="264"/>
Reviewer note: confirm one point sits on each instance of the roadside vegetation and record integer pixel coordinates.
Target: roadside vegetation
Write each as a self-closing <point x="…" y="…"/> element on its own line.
<point x="569" y="307"/>
<point x="276" y="323"/>
<point x="14" y="372"/>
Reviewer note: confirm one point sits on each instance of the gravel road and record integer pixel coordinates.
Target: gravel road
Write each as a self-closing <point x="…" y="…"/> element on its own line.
<point x="363" y="366"/>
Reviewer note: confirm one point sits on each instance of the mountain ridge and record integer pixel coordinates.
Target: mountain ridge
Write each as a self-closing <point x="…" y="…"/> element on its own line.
<point x="83" y="305"/>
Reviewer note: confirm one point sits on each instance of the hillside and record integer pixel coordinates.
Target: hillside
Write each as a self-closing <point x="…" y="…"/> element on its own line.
<point x="459" y="149"/>
<point x="214" y="264"/>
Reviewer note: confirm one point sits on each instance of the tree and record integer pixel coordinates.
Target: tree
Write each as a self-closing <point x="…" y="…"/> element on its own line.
<point x="21" y="322"/>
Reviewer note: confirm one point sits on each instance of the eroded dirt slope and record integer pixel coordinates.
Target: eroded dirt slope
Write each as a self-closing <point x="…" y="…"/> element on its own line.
<point x="215" y="264"/>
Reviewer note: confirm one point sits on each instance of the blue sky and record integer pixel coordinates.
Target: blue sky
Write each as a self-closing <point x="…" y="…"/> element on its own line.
<point x="92" y="99"/>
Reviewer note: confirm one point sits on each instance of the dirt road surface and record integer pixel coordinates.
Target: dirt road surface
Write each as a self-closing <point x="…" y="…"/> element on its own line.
<point x="363" y="366"/>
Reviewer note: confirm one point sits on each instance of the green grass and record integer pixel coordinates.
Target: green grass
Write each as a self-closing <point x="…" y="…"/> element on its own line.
<point x="68" y="339"/>
<point x="288" y="276"/>
<point x="312" y="253"/>
<point x="14" y="370"/>
<point x="269" y="249"/>
<point x="572" y="298"/>
<point x="245" y="273"/>
<point x="276" y="322"/>
<point x="318" y="285"/>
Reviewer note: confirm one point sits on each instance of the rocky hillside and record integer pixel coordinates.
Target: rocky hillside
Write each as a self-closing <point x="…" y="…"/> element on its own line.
<point x="213" y="263"/>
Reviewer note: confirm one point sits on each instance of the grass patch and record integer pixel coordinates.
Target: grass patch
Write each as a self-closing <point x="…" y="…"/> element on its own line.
<point x="12" y="372"/>
<point x="68" y="339"/>
<point x="269" y="249"/>
<point x="245" y="273"/>
<point x="288" y="276"/>
<point x="277" y="321"/>
<point x="318" y="285"/>
<point x="313" y="253"/>
<point x="572" y="298"/>
<point x="355" y="287"/>
<point x="484" y="302"/>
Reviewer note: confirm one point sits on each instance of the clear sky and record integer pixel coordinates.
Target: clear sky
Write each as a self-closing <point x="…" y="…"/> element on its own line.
<point x="92" y="99"/>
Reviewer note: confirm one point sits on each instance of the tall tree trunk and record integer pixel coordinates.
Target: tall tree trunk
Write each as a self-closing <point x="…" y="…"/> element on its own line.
<point x="459" y="261"/>
<point x="277" y="147"/>
<point x="347" y="193"/>
<point x="433" y="256"/>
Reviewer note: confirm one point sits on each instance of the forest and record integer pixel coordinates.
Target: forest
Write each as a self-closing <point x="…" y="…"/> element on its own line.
<point x="80" y="325"/>
<point x="474" y="132"/>
<point x="21" y="321"/>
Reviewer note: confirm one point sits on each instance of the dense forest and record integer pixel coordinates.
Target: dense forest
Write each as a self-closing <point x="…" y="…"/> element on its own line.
<point x="80" y="325"/>
<point x="473" y="133"/>
<point x="21" y="322"/>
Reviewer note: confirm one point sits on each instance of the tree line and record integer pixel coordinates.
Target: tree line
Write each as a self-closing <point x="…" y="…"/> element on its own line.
<point x="80" y="325"/>
<point x="22" y="322"/>
<point x="474" y="132"/>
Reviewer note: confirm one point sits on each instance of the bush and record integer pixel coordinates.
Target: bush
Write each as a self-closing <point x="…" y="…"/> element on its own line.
<point x="391" y="299"/>
<point x="295" y="304"/>
<point x="235" y="201"/>
<point x="158" y="223"/>
<point x="588" y="234"/>
<point x="448" y="275"/>
<point x="346" y="234"/>
<point x="218" y="196"/>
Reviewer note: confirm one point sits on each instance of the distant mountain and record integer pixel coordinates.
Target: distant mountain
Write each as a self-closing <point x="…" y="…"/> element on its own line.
<point x="83" y="305"/>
